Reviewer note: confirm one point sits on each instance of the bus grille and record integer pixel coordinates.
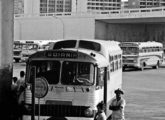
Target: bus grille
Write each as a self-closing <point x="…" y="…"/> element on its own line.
<point x="60" y="110"/>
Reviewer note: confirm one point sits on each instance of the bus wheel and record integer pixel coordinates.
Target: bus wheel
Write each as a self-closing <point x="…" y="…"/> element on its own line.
<point x="156" y="66"/>
<point x="142" y="66"/>
<point x="123" y="68"/>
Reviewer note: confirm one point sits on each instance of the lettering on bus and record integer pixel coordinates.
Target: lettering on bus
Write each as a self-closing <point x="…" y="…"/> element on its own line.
<point x="129" y="45"/>
<point x="61" y="54"/>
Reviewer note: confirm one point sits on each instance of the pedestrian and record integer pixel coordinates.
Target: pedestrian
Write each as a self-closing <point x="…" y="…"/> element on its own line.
<point x="14" y="99"/>
<point x="14" y="85"/>
<point x="21" y="82"/>
<point x="117" y="106"/>
<point x="100" y="115"/>
<point x="21" y="93"/>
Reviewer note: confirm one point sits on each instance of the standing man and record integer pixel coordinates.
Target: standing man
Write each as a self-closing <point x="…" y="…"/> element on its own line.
<point x="21" y="81"/>
<point x="117" y="106"/>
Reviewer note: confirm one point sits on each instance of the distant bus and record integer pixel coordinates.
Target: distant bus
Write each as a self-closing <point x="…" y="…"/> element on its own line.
<point x="72" y="78"/>
<point x="17" y="49"/>
<point x="142" y="54"/>
<point x="28" y="47"/>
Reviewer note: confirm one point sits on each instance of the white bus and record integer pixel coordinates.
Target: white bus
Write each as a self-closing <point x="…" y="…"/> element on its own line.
<point x="72" y="78"/>
<point x="17" y="49"/>
<point x="142" y="54"/>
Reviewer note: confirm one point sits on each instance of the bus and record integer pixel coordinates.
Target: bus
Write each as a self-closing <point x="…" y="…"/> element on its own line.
<point x="17" y="49"/>
<point x="142" y="54"/>
<point x="28" y="47"/>
<point x="71" y="78"/>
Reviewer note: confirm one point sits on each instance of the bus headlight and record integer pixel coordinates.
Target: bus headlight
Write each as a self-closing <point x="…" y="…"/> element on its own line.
<point x="88" y="112"/>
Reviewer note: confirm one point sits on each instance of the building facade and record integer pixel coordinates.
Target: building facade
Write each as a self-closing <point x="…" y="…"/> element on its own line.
<point x="145" y="3"/>
<point x="18" y="6"/>
<point x="56" y="6"/>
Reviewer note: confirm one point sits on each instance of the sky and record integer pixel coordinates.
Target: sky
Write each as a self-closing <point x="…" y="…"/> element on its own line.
<point x="124" y="0"/>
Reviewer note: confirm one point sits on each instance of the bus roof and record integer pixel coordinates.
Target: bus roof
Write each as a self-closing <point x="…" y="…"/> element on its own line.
<point x="106" y="45"/>
<point x="71" y="54"/>
<point x="141" y="44"/>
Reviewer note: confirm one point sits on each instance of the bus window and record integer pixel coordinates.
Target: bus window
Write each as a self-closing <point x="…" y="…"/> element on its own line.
<point x="130" y="50"/>
<point x="101" y="76"/>
<point x="30" y="46"/>
<point x="90" y="45"/>
<point x="75" y="73"/>
<point x="48" y="69"/>
<point x="65" y="44"/>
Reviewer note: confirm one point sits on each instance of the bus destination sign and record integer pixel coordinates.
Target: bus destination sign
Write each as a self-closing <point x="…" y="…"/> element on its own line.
<point x="62" y="54"/>
<point x="129" y="44"/>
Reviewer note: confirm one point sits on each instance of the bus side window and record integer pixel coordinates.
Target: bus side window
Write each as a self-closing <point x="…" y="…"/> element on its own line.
<point x="100" y="77"/>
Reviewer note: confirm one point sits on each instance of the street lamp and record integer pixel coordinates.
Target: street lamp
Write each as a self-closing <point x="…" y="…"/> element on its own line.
<point x="63" y="27"/>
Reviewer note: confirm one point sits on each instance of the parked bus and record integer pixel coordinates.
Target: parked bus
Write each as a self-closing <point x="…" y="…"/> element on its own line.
<point x="17" y="49"/>
<point x="142" y="54"/>
<point x="28" y="47"/>
<point x="71" y="80"/>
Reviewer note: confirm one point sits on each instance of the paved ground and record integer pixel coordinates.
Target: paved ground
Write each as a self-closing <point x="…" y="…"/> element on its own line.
<point x="145" y="94"/>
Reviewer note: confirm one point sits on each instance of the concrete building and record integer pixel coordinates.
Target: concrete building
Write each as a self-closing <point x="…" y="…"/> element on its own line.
<point x="54" y="6"/>
<point x="145" y="3"/>
<point x="124" y="4"/>
<point x="18" y="6"/>
<point x="100" y="5"/>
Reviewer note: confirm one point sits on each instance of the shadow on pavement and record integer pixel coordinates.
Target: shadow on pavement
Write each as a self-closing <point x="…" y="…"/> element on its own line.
<point x="57" y="118"/>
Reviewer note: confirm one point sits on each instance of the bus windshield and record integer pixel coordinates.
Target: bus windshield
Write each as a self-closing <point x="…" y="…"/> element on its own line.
<point x="77" y="73"/>
<point x="30" y="46"/>
<point x="17" y="46"/>
<point x="50" y="70"/>
<point x="130" y="50"/>
<point x="73" y="73"/>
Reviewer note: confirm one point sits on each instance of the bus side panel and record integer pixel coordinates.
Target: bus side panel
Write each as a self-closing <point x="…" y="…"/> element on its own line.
<point x="114" y="83"/>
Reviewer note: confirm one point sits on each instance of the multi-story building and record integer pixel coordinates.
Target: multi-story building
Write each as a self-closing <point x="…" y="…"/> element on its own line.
<point x="18" y="6"/>
<point x="145" y="3"/>
<point x="48" y="6"/>
<point x="124" y="4"/>
<point x="54" y="6"/>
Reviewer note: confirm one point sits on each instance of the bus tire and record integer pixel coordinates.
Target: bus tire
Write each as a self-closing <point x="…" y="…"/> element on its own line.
<point x="123" y="68"/>
<point x="156" y="66"/>
<point x="142" y="66"/>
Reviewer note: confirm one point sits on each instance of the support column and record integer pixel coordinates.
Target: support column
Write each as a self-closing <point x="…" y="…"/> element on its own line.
<point x="6" y="47"/>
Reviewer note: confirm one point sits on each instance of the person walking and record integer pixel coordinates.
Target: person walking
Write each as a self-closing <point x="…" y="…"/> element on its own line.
<point x="117" y="106"/>
<point x="100" y="115"/>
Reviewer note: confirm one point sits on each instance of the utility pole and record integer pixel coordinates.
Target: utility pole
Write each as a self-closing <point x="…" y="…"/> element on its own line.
<point x="6" y="60"/>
